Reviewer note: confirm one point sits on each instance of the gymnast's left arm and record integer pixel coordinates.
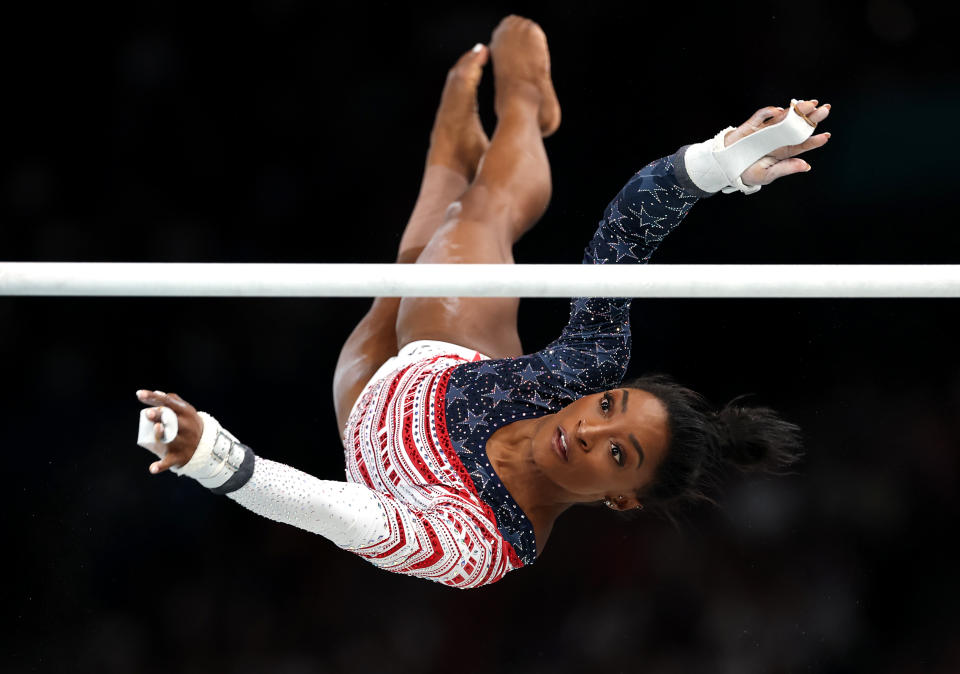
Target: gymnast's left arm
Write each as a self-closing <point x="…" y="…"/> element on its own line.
<point x="593" y="351"/>
<point x="657" y="198"/>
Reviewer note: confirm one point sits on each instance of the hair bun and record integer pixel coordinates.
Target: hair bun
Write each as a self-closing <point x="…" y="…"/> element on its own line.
<point x="756" y="438"/>
<point x="703" y="440"/>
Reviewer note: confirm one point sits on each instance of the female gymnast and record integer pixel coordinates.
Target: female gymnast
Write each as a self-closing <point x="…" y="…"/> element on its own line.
<point x="461" y="452"/>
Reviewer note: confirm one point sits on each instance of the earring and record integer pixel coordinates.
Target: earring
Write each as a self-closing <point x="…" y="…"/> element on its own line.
<point x="607" y="502"/>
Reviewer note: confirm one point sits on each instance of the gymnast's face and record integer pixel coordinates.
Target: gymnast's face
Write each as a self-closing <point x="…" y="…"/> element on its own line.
<point x="606" y="445"/>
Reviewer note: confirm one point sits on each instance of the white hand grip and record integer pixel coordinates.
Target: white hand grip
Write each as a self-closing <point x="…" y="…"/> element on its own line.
<point x="146" y="437"/>
<point x="713" y="167"/>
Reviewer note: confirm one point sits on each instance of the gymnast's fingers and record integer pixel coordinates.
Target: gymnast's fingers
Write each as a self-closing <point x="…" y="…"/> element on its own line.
<point x="764" y="116"/>
<point x="768" y="115"/>
<point x="154" y="398"/>
<point x="161" y="399"/>
<point x="806" y="107"/>
<point x="819" y="114"/>
<point x="163" y="464"/>
<point x="180" y="402"/>
<point x="810" y="143"/>
<point x="784" y="168"/>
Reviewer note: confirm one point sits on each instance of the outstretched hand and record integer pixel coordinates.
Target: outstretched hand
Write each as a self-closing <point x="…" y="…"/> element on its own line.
<point x="781" y="162"/>
<point x="190" y="427"/>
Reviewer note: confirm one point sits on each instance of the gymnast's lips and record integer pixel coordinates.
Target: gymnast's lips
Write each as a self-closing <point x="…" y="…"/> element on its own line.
<point x="560" y="443"/>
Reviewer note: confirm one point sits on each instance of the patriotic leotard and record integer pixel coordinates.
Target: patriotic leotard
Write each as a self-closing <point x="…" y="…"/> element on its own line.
<point x="422" y="498"/>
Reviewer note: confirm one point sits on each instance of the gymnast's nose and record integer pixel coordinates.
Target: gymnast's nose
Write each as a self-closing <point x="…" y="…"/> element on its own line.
<point x="585" y="435"/>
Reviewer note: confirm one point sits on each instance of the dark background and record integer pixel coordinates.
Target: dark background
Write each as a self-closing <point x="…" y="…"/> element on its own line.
<point x="290" y="132"/>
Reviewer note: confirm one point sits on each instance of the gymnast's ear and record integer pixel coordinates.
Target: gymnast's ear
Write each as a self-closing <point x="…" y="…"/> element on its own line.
<point x="623" y="503"/>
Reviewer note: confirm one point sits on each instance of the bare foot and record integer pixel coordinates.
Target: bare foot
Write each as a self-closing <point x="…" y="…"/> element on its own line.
<point x="458" y="140"/>
<point x="521" y="59"/>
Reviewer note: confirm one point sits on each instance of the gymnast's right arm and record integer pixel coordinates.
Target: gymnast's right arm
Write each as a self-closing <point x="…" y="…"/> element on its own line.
<point x="348" y="514"/>
<point x="438" y="543"/>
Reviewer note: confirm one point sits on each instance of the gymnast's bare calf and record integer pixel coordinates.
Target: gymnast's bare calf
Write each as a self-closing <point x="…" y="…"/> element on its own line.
<point x="461" y="451"/>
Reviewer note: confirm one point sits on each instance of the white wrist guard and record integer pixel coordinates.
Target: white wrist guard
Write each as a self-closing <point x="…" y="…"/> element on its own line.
<point x="221" y="462"/>
<point x="713" y="167"/>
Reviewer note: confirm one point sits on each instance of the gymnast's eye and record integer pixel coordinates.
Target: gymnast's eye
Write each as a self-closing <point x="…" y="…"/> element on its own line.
<point x="606" y="402"/>
<point x="617" y="454"/>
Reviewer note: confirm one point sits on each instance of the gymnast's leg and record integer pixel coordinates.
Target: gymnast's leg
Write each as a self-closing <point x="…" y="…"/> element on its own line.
<point x="509" y="194"/>
<point x="457" y="142"/>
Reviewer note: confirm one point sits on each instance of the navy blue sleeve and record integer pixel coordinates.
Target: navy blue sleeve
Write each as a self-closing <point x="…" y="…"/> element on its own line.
<point x="593" y="351"/>
<point x="590" y="355"/>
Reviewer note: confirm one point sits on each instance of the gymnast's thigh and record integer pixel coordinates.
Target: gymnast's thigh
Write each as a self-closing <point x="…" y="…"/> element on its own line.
<point x="485" y="324"/>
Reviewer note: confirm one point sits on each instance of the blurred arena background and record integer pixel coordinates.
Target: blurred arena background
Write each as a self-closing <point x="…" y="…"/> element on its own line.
<point x="292" y="131"/>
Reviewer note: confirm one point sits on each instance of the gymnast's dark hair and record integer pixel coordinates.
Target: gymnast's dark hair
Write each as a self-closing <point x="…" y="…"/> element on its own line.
<point x="704" y="441"/>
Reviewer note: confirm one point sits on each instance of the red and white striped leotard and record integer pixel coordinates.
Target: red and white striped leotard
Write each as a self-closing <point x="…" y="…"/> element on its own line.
<point x="397" y="445"/>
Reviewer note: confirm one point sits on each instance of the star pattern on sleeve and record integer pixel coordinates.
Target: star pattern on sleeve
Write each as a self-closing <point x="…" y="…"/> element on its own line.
<point x="657" y="192"/>
<point x="605" y="355"/>
<point x="571" y="375"/>
<point x="579" y="304"/>
<point x="623" y="249"/>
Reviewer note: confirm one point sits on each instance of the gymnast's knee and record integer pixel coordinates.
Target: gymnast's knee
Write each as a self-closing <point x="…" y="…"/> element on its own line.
<point x="498" y="210"/>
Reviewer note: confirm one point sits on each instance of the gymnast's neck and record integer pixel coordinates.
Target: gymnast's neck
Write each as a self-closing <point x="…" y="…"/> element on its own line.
<point x="510" y="450"/>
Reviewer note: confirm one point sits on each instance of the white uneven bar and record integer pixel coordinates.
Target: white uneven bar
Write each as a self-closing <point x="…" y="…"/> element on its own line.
<point x="115" y="279"/>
